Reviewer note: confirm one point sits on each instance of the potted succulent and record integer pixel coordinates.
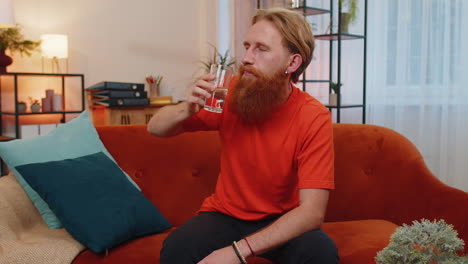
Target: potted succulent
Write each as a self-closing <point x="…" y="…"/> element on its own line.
<point x="333" y="96"/>
<point x="11" y="39"/>
<point x="35" y="105"/>
<point x="423" y="242"/>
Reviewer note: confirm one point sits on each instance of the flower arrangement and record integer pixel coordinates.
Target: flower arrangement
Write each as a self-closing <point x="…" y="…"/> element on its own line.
<point x="423" y="242"/>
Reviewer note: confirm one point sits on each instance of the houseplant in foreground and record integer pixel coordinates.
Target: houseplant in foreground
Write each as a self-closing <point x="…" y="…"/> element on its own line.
<point x="423" y="242"/>
<point x="11" y="39"/>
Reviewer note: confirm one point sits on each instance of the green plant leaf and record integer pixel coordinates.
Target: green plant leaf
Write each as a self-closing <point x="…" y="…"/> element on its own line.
<point x="13" y="40"/>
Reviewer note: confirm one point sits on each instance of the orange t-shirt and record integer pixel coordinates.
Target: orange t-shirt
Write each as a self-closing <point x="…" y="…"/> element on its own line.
<point x="264" y="166"/>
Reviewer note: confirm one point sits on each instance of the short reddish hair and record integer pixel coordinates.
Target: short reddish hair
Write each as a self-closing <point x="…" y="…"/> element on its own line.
<point x="297" y="34"/>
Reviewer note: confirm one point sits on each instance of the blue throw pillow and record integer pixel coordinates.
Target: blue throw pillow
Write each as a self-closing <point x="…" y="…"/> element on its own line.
<point x="94" y="200"/>
<point x="70" y="140"/>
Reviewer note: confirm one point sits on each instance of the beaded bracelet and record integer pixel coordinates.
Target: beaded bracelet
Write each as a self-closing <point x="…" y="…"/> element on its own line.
<point x="239" y="255"/>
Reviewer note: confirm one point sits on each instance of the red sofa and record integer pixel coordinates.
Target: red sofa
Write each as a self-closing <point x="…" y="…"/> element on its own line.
<point x="381" y="182"/>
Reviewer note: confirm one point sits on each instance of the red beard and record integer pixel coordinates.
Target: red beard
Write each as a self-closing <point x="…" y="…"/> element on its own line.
<point x="253" y="99"/>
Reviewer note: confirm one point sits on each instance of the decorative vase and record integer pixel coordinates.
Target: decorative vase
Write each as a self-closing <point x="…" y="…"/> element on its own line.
<point x="21" y="107"/>
<point x="333" y="99"/>
<point x="35" y="108"/>
<point x="5" y="60"/>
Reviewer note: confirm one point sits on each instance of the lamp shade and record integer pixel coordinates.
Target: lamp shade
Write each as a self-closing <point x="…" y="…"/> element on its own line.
<point x="54" y="46"/>
<point x="6" y="14"/>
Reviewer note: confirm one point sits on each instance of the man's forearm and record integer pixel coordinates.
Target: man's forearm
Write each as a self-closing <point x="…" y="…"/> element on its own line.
<point x="304" y="218"/>
<point x="168" y="120"/>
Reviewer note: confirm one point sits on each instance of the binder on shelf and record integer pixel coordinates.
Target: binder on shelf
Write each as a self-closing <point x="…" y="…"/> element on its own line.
<point x="123" y="102"/>
<point x="105" y="94"/>
<point x="117" y="86"/>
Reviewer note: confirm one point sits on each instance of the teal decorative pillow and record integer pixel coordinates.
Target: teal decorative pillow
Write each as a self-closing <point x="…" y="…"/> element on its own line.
<point x="94" y="200"/>
<point x="70" y="140"/>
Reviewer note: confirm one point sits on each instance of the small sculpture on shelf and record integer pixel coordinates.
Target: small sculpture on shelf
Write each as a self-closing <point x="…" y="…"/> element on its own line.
<point x="35" y="105"/>
<point x="21" y="107"/>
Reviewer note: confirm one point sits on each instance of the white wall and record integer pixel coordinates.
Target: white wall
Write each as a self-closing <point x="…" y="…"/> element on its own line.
<point x="117" y="40"/>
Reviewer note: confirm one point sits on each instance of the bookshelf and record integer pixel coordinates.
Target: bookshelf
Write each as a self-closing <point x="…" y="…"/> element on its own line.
<point x="17" y="85"/>
<point x="335" y="40"/>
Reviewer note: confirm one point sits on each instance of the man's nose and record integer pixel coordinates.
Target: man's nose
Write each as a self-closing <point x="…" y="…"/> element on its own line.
<point x="248" y="58"/>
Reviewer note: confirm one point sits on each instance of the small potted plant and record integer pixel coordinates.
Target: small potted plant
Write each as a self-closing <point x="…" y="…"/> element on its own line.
<point x="349" y="14"/>
<point x="423" y="242"/>
<point x="218" y="58"/>
<point x="11" y="39"/>
<point x="333" y="96"/>
<point x="35" y="105"/>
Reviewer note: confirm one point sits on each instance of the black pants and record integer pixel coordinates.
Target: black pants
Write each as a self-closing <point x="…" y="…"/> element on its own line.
<point x="208" y="231"/>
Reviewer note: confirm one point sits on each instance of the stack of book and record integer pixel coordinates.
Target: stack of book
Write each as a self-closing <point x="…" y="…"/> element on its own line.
<point x="118" y="94"/>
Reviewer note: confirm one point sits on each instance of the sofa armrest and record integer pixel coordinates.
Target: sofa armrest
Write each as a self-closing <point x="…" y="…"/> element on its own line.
<point x="379" y="174"/>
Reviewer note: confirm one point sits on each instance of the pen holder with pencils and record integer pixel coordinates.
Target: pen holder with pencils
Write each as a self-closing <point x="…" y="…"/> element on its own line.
<point x="153" y="83"/>
<point x="154" y="90"/>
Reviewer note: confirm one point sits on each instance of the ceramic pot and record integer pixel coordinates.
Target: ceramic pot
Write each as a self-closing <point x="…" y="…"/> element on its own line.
<point x="333" y="99"/>
<point x="35" y="108"/>
<point x="21" y="107"/>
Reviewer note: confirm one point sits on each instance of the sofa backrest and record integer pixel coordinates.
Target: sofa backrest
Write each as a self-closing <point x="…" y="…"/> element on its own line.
<point x="176" y="173"/>
<point x="373" y="166"/>
<point x="379" y="174"/>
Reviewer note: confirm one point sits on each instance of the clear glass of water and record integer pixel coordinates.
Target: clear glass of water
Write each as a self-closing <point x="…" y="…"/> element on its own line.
<point x="223" y="76"/>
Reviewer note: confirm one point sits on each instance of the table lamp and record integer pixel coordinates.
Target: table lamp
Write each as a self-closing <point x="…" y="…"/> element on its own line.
<point x="55" y="47"/>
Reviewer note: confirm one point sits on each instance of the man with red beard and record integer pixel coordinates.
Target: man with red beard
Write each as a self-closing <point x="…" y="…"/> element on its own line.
<point x="277" y="158"/>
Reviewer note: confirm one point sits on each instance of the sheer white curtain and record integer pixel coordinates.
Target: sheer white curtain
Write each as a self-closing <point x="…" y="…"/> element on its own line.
<point x="417" y="79"/>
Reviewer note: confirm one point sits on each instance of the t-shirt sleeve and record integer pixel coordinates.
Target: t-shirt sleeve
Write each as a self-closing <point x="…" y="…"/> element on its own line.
<point x="316" y="155"/>
<point x="203" y="120"/>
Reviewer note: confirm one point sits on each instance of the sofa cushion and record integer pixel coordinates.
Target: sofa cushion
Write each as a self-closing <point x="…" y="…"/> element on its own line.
<point x="94" y="200"/>
<point x="359" y="241"/>
<point x="141" y="250"/>
<point x="70" y="140"/>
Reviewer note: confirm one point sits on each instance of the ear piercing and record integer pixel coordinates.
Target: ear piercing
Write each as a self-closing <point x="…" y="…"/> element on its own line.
<point x="286" y="72"/>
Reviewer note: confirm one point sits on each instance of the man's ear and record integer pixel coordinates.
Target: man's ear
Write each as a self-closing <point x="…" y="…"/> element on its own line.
<point x="295" y="63"/>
